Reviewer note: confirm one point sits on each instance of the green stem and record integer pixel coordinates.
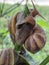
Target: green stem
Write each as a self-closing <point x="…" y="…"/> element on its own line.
<point x="23" y="58"/>
<point x="26" y="10"/>
<point x="2" y="7"/>
<point x="11" y="9"/>
<point x="45" y="61"/>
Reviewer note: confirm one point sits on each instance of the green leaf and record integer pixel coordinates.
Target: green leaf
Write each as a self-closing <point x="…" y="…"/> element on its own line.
<point x="2" y="31"/>
<point x="17" y="48"/>
<point x="43" y="23"/>
<point x="45" y="61"/>
<point x="26" y="10"/>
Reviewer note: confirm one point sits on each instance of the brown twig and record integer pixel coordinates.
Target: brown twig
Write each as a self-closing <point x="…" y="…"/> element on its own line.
<point x="35" y="11"/>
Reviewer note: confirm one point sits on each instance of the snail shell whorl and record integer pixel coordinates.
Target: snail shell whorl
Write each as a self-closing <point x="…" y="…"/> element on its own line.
<point x="36" y="40"/>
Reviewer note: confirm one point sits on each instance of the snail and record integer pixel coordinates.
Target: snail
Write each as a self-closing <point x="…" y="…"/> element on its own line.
<point x="24" y="30"/>
<point x="7" y="57"/>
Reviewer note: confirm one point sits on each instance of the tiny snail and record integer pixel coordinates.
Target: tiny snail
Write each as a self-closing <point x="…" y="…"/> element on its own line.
<point x="24" y="30"/>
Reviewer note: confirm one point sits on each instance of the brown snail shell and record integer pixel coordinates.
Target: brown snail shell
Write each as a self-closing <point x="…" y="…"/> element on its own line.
<point x="36" y="40"/>
<point x="7" y="57"/>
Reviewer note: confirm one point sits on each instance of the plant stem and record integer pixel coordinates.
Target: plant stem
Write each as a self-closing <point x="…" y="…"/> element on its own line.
<point x="26" y="10"/>
<point x="2" y="7"/>
<point x="20" y="58"/>
<point x="11" y="8"/>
